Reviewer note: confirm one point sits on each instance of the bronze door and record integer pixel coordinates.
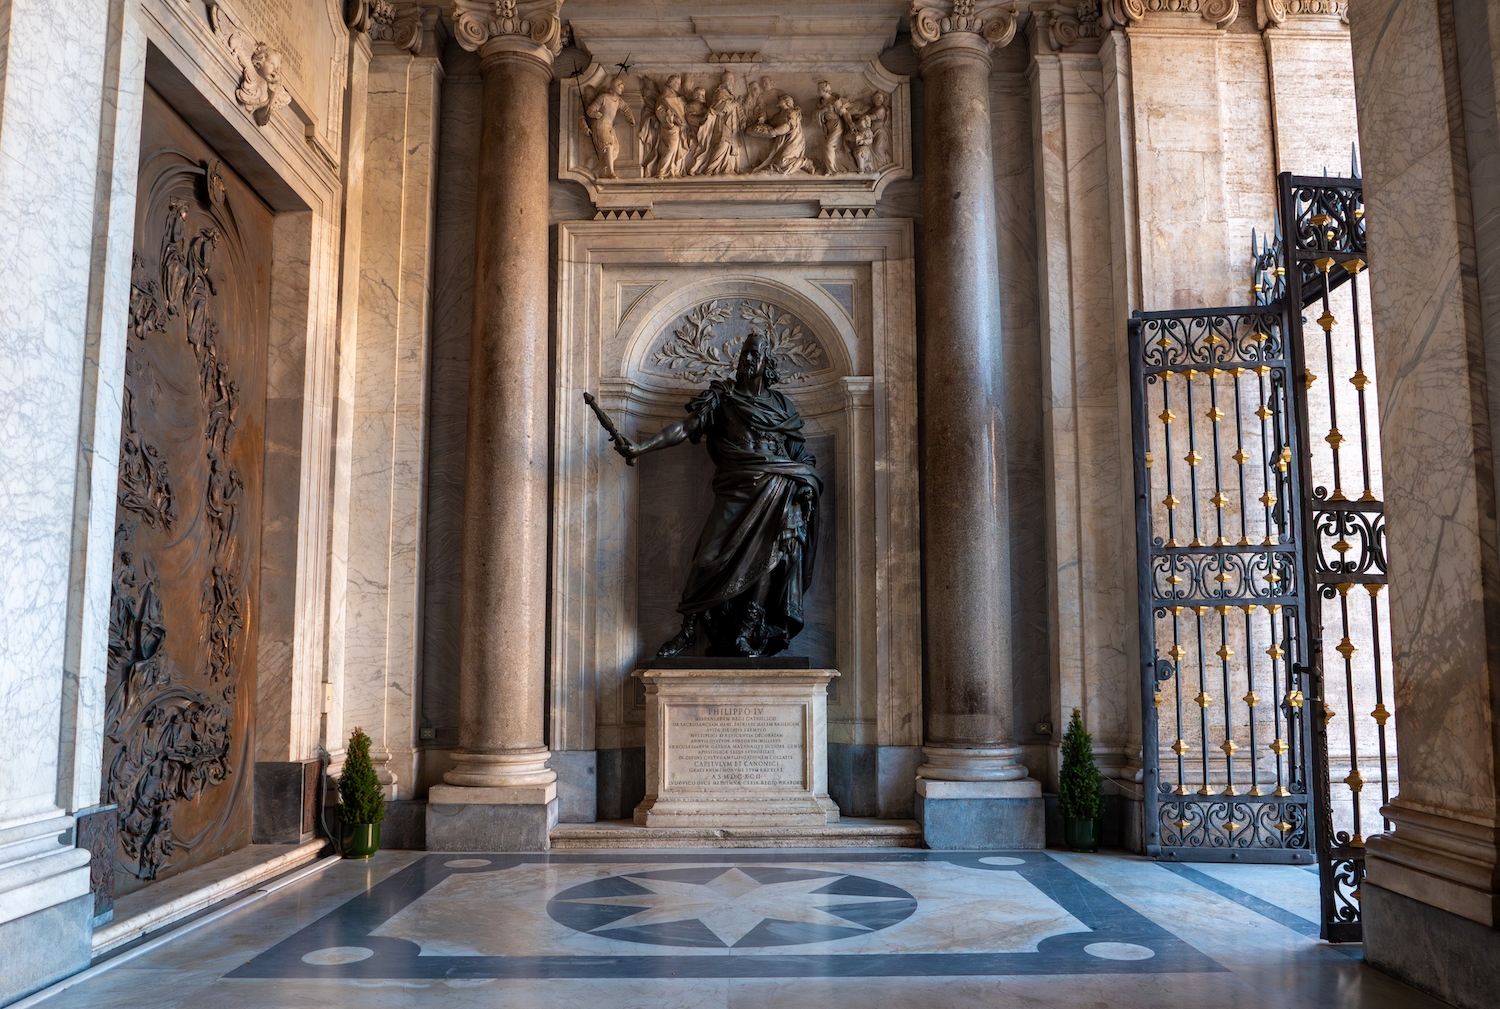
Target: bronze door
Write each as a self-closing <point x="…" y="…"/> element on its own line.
<point x="180" y="694"/>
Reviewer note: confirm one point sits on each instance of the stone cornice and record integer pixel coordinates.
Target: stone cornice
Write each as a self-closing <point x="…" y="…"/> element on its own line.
<point x="533" y="26"/>
<point x="987" y="20"/>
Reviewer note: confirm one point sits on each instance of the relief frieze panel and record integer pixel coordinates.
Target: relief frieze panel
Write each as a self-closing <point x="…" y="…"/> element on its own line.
<point x="734" y="133"/>
<point x="180" y="673"/>
<point x="169" y="729"/>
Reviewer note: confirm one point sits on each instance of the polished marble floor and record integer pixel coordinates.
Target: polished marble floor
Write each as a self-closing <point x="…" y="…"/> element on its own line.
<point x="742" y="929"/>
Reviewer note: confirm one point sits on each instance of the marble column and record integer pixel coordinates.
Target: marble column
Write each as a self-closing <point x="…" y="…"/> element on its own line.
<point x="501" y="795"/>
<point x="1425" y="85"/>
<point x="972" y="791"/>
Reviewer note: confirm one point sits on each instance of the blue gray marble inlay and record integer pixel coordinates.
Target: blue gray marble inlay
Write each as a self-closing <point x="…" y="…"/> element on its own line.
<point x="726" y="915"/>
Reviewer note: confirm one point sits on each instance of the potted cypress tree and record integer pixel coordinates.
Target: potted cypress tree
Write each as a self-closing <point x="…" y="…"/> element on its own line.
<point x="361" y="800"/>
<point x="1080" y="788"/>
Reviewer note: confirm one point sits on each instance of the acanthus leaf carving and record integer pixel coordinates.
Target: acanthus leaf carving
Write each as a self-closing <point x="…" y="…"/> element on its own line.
<point x="1071" y="26"/>
<point x="1122" y="13"/>
<point x="476" y="22"/>
<point x="932" y="19"/>
<point x="398" y="24"/>
<point x="260" y="90"/>
<point x="1275" y="13"/>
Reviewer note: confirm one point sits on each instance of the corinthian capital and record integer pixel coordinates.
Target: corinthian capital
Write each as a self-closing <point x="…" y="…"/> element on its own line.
<point x="477" y="23"/>
<point x="991" y="20"/>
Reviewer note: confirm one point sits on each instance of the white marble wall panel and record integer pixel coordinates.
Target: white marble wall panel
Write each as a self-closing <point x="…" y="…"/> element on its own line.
<point x="1200" y="119"/>
<point x="388" y="364"/>
<point x="1312" y="88"/>
<point x="69" y="136"/>
<point x="1087" y="450"/>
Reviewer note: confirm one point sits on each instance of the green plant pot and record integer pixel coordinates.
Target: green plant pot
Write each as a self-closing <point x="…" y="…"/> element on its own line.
<point x="360" y="840"/>
<point x="1082" y="835"/>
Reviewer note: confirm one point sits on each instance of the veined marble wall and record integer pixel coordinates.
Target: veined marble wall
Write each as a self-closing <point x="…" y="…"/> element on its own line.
<point x="1425" y="75"/>
<point x="387" y="362"/>
<point x="69" y="138"/>
<point x="68" y="152"/>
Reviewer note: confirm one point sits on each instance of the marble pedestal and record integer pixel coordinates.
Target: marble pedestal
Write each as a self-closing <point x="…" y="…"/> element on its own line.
<point x="736" y="747"/>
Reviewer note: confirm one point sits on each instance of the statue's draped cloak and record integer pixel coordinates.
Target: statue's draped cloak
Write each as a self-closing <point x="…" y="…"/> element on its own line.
<point x="764" y="522"/>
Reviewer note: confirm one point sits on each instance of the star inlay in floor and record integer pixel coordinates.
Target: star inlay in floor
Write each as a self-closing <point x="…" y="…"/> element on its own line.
<point x="731" y="906"/>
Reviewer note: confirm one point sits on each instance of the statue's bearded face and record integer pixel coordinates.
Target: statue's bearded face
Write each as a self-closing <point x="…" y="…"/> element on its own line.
<point x="752" y="364"/>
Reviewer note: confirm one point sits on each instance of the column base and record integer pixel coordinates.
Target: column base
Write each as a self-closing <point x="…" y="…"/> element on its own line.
<point x="981" y="814"/>
<point x="491" y="819"/>
<point x="45" y="946"/>
<point x="1436" y="951"/>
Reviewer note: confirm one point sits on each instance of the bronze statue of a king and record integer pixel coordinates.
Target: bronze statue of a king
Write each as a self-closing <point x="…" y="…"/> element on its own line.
<point x="755" y="556"/>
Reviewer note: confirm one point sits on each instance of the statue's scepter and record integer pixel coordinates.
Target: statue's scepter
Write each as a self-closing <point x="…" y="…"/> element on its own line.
<point x="609" y="426"/>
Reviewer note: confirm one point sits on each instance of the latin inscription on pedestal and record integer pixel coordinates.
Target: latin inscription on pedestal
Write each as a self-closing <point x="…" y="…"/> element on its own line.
<point x="713" y="746"/>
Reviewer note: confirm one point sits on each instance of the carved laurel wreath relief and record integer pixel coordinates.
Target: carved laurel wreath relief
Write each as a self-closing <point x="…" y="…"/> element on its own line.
<point x="705" y="341"/>
<point x="168" y="730"/>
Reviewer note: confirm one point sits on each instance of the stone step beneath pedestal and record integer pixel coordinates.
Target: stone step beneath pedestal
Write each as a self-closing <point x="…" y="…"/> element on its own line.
<point x="849" y="832"/>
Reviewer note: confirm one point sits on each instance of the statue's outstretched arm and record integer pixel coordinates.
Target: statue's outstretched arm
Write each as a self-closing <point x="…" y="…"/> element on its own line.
<point x="672" y="434"/>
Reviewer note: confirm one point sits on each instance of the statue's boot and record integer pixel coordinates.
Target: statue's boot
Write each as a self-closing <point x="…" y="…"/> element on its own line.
<point x="682" y="640"/>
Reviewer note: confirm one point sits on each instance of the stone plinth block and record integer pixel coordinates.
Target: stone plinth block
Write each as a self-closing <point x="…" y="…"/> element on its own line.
<point x="736" y="748"/>
<point x="516" y="818"/>
<point x="981" y="814"/>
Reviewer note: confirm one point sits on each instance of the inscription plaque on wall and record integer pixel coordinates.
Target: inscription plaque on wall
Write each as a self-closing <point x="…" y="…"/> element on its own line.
<point x="740" y="746"/>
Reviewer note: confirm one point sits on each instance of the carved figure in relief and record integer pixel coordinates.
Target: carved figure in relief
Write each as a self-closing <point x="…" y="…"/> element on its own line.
<point x="720" y="148"/>
<point x="697" y="120"/>
<point x="877" y="107"/>
<point x="663" y="124"/>
<point x="754" y="558"/>
<point x="261" y="90"/>
<point x="833" y="115"/>
<point x="789" y="147"/>
<point x="862" y="143"/>
<point x="599" y="112"/>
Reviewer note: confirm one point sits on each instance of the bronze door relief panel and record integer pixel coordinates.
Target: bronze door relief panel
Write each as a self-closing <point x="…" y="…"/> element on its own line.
<point x="181" y="679"/>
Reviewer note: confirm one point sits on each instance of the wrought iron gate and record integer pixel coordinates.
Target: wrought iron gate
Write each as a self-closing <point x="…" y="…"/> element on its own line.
<point x="1255" y="537"/>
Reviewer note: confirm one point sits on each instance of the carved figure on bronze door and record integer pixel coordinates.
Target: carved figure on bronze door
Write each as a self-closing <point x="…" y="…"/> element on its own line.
<point x="754" y="558"/>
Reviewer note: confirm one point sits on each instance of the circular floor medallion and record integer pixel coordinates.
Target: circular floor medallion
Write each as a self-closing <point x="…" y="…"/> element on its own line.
<point x="332" y="956"/>
<point x="740" y="906"/>
<point x="466" y="863"/>
<point x="1002" y="860"/>
<point x="1119" y="951"/>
